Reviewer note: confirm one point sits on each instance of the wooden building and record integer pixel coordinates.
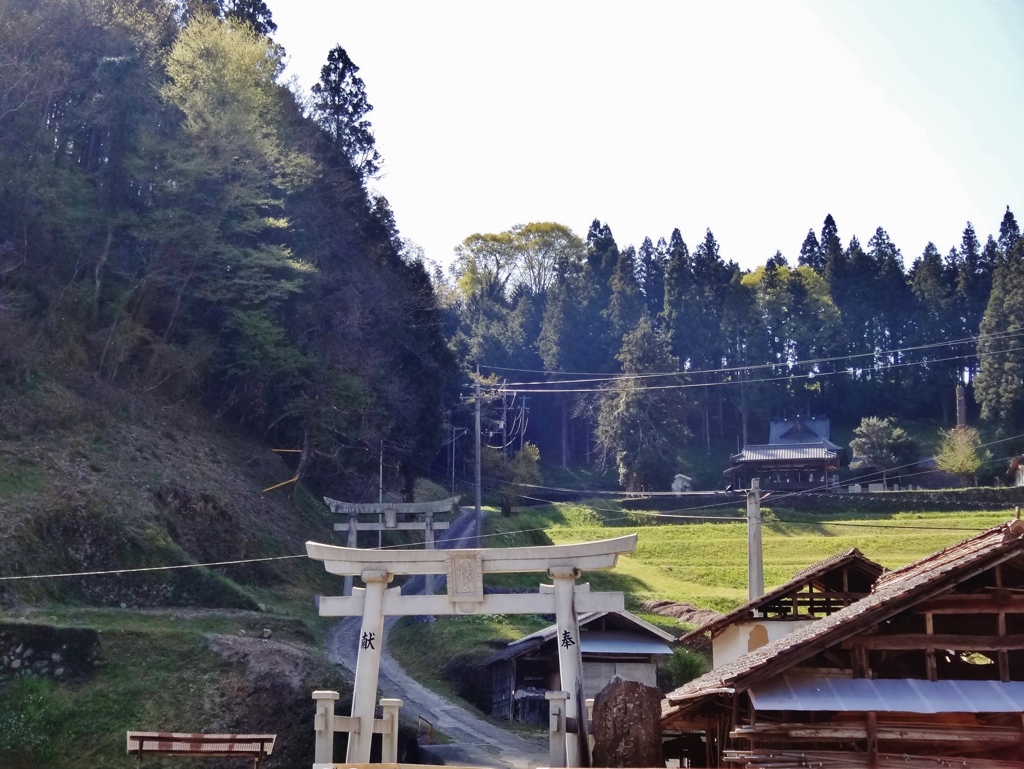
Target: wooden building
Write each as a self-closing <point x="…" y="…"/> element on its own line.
<point x="798" y="457"/>
<point x="926" y="671"/>
<point x="815" y="592"/>
<point x="612" y="643"/>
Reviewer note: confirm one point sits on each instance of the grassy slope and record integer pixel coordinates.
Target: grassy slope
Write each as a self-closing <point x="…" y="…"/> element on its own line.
<point x="93" y="477"/>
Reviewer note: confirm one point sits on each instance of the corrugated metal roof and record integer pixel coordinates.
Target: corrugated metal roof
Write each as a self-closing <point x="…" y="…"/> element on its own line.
<point x="904" y="695"/>
<point x="621" y="643"/>
<point x="769" y="453"/>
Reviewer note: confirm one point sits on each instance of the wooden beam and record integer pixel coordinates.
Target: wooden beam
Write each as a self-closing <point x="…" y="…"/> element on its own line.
<point x="872" y="734"/>
<point x="885" y="732"/>
<point x="929" y="653"/>
<point x="915" y="641"/>
<point x="980" y="603"/>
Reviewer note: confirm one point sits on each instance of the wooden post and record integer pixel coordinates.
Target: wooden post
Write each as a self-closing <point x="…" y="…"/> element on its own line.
<point x="556" y="727"/>
<point x="364" y="692"/>
<point x="872" y="730"/>
<point x="929" y="659"/>
<point x="323" y="724"/>
<point x="389" y="737"/>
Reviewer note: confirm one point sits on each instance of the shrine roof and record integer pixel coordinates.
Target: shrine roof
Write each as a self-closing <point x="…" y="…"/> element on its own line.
<point x="768" y="452"/>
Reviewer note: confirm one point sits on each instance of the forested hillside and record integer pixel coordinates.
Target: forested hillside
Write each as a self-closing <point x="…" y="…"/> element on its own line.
<point x="176" y="222"/>
<point x="641" y="356"/>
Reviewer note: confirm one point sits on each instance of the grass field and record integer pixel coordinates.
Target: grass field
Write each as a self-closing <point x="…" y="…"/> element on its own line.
<point x="705" y="563"/>
<point x="700" y="563"/>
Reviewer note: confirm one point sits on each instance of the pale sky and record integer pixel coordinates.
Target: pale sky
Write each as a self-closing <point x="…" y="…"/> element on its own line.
<point x="755" y="119"/>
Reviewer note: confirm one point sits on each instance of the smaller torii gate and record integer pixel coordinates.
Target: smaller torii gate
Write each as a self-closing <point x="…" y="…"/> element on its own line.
<point x="465" y="595"/>
<point x="387" y="520"/>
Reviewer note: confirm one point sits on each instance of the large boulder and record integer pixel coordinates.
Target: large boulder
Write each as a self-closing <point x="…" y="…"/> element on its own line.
<point x="627" y="725"/>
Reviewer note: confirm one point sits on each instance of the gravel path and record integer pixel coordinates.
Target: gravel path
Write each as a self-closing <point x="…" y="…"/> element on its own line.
<point x="475" y="742"/>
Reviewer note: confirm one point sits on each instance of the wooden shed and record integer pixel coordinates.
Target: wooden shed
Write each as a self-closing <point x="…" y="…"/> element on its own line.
<point x="612" y="643"/>
<point x="815" y="592"/>
<point x="927" y="671"/>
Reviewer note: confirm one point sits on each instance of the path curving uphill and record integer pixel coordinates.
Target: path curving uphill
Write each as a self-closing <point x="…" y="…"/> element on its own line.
<point x="475" y="742"/>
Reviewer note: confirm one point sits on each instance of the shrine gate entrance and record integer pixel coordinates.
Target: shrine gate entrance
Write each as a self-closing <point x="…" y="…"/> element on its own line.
<point x="465" y="569"/>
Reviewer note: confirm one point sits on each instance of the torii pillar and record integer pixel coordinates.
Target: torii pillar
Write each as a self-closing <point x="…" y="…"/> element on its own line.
<point x="465" y="570"/>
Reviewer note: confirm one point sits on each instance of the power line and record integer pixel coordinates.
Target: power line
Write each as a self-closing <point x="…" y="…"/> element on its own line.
<point x="787" y="378"/>
<point x="606" y="376"/>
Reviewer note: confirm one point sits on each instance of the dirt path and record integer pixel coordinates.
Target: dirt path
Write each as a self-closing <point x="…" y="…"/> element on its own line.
<point x="476" y="742"/>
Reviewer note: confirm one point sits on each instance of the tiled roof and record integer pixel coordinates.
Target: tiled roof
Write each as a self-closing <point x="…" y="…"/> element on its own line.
<point x="802" y="577"/>
<point x="797" y="451"/>
<point x="892" y="593"/>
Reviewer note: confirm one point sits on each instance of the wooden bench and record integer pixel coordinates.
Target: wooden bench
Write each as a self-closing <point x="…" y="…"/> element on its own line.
<point x="255" y="746"/>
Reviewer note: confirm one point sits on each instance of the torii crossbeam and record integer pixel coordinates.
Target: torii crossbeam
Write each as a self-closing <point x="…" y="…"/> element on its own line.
<point x="465" y="570"/>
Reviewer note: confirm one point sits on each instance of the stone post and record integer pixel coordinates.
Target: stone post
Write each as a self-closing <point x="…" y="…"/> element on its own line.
<point x="570" y="661"/>
<point x="364" y="692"/>
<point x="556" y="728"/>
<point x="323" y="724"/>
<point x="389" y="737"/>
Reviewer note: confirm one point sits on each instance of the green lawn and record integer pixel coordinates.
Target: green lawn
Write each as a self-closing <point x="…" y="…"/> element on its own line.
<point x="700" y="563"/>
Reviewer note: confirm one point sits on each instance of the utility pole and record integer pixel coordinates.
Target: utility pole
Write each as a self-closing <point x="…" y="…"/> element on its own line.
<point x="755" y="563"/>
<point x="504" y="424"/>
<point x="380" y="497"/>
<point x="476" y="469"/>
<point x="522" y="423"/>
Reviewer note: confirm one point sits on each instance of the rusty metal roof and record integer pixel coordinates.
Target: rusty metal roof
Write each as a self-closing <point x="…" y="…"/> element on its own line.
<point x="892" y="593"/>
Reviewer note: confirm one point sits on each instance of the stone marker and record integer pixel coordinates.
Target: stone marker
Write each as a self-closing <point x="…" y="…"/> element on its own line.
<point x="627" y="728"/>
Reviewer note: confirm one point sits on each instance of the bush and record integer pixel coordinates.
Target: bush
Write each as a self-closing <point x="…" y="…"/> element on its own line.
<point x="685" y="665"/>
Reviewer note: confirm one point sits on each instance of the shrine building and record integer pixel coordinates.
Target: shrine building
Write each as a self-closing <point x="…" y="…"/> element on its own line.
<point x="798" y="457"/>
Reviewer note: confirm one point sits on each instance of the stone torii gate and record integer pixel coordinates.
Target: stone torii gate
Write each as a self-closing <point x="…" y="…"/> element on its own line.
<point x="465" y="569"/>
<point x="387" y="520"/>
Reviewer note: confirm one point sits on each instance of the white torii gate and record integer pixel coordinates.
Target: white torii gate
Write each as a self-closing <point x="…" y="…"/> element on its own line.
<point x="465" y="570"/>
<point x="387" y="520"/>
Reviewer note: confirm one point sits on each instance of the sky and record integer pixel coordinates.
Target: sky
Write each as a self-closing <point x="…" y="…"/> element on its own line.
<point x="753" y="119"/>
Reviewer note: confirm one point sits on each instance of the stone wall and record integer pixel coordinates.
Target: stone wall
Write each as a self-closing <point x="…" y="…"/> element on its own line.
<point x="44" y="650"/>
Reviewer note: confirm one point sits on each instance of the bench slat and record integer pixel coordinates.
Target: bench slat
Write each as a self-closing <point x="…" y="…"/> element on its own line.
<point x="200" y="744"/>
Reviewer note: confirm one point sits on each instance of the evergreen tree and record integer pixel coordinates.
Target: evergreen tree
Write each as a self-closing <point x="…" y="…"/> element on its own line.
<point x="626" y="303"/>
<point x="1009" y="232"/>
<point x="653" y="261"/>
<point x="810" y="253"/>
<point x="999" y="387"/>
<point x="642" y="428"/>
<point x="340" y="107"/>
<point x="832" y="257"/>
